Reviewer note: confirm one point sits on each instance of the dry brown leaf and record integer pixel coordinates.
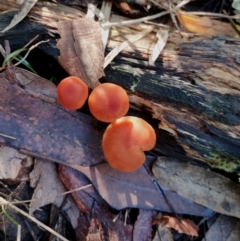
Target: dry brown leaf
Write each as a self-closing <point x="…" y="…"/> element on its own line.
<point x="202" y="186"/>
<point x="137" y="190"/>
<point x="186" y="226"/>
<point x="49" y="189"/>
<point x="205" y="25"/>
<point x="81" y="49"/>
<point x="225" y="228"/>
<point x="11" y="164"/>
<point x="96" y="220"/>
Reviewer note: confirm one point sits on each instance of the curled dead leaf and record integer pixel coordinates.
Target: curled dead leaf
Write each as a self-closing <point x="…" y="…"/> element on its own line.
<point x="205" y="25"/>
<point x="81" y="50"/>
<point x="186" y="226"/>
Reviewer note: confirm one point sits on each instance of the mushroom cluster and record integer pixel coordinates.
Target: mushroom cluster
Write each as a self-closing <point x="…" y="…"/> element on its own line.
<point x="127" y="137"/>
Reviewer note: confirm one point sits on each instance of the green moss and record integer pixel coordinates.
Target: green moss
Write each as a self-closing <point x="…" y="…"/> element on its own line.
<point x="132" y="75"/>
<point x="224" y="161"/>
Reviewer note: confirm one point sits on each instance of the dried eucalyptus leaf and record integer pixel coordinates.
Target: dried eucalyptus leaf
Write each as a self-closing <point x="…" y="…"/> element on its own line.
<point x="202" y="186"/>
<point x="136" y="189"/>
<point x="81" y="50"/>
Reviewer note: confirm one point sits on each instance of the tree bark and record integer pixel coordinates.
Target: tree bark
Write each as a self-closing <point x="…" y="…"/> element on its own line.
<point x="193" y="90"/>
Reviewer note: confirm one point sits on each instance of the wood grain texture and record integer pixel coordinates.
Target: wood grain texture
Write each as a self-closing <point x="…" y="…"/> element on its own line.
<point x="192" y="89"/>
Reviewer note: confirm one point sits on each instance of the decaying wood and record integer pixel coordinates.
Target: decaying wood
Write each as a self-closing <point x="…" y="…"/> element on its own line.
<point x="193" y="90"/>
<point x="25" y="8"/>
<point x="45" y="12"/>
<point x="30" y="30"/>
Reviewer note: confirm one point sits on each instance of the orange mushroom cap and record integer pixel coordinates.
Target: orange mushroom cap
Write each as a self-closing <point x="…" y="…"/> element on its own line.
<point x="108" y="102"/>
<point x="72" y="93"/>
<point x="125" y="141"/>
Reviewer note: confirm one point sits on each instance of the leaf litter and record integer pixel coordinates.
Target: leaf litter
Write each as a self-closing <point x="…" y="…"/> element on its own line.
<point x="186" y="226"/>
<point x="95" y="220"/>
<point x="137" y="190"/>
<point x="43" y="174"/>
<point x="68" y="163"/>
<point x="12" y="164"/>
<point x="202" y="186"/>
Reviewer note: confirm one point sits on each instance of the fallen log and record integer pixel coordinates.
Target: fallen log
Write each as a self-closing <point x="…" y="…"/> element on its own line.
<point x="190" y="95"/>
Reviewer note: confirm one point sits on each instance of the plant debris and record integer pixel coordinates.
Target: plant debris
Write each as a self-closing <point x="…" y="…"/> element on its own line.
<point x="181" y="225"/>
<point x="207" y="188"/>
<point x="83" y="50"/>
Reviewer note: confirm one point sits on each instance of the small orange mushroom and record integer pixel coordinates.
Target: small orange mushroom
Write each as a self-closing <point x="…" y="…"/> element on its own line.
<point x="108" y="102"/>
<point x="125" y="141"/>
<point x="72" y="93"/>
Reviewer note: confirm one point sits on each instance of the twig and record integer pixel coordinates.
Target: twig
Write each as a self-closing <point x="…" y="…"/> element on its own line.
<point x="8" y="52"/>
<point x="140" y="20"/>
<point x="2" y="51"/>
<point x="32" y="40"/>
<point x="29" y="50"/>
<point x="173" y="16"/>
<point x="16" y="209"/>
<point x="64" y="193"/>
<point x="7" y="136"/>
<point x="77" y="189"/>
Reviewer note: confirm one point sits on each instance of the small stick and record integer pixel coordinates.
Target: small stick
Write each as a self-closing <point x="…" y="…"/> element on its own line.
<point x="140" y="20"/>
<point x="30" y="49"/>
<point x="16" y="209"/>
<point x="7" y="136"/>
<point x="64" y="193"/>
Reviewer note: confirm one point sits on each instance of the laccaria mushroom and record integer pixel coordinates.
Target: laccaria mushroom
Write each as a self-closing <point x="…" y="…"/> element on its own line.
<point x="108" y="102"/>
<point x="124" y="142"/>
<point x="72" y="93"/>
